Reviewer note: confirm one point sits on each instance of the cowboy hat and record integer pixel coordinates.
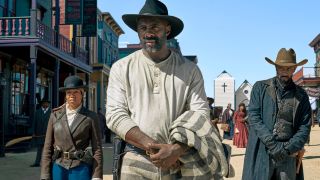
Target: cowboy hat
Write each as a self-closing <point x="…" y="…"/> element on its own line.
<point x="286" y="58"/>
<point x="44" y="100"/>
<point x="73" y="82"/>
<point x="154" y="8"/>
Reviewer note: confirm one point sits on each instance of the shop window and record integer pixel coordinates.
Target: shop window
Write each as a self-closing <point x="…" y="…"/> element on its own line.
<point x="42" y="87"/>
<point x="19" y="91"/>
<point x="7" y="8"/>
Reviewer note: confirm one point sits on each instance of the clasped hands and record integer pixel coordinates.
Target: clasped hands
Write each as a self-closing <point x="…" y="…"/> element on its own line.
<point x="165" y="156"/>
<point x="278" y="152"/>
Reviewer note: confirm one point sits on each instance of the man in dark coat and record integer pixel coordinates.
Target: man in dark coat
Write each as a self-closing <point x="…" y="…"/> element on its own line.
<point x="227" y="117"/>
<point x="40" y="124"/>
<point x="213" y="119"/>
<point x="279" y="124"/>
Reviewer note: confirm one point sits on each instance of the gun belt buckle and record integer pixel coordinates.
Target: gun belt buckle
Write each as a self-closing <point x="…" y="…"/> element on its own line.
<point x="66" y="155"/>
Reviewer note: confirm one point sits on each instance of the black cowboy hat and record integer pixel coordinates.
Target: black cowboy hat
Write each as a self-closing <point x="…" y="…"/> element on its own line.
<point x="73" y="82"/>
<point x="44" y="100"/>
<point x="155" y="8"/>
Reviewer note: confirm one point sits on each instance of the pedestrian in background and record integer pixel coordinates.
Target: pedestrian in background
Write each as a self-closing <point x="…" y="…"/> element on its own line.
<point x="214" y="120"/>
<point x="227" y="118"/>
<point x="240" y="138"/>
<point x="279" y="124"/>
<point x="72" y="149"/>
<point x="157" y="103"/>
<point x="39" y="126"/>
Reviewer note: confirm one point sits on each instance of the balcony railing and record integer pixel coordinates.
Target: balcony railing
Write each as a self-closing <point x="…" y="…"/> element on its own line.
<point x="310" y="72"/>
<point x="15" y="26"/>
<point x="20" y="27"/>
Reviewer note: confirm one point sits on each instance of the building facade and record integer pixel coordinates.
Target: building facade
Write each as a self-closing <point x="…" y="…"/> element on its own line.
<point x="36" y="56"/>
<point x="224" y="90"/>
<point x="243" y="94"/>
<point x="104" y="55"/>
<point x="309" y="77"/>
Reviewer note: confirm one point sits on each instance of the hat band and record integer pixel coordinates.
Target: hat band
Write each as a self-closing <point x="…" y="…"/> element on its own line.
<point x="285" y="61"/>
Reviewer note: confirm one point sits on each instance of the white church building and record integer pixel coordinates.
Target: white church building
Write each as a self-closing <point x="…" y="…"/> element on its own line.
<point x="243" y="93"/>
<point x="224" y="90"/>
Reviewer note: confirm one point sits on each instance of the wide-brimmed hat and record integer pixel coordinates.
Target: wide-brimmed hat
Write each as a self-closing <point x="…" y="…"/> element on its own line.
<point x="155" y="8"/>
<point x="44" y="100"/>
<point x="286" y="58"/>
<point x="73" y="82"/>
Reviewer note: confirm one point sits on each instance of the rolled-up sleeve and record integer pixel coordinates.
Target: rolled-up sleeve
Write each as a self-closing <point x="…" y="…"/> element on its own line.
<point x="117" y="112"/>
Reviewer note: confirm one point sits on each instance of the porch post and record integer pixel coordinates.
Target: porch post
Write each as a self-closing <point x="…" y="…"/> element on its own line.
<point x="57" y="22"/>
<point x="55" y="91"/>
<point x="102" y="92"/>
<point x="2" y="84"/>
<point x="87" y="84"/>
<point x="32" y="83"/>
<point x="33" y="18"/>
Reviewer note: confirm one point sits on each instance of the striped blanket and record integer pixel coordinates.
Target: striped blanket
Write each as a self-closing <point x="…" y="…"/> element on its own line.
<point x="206" y="159"/>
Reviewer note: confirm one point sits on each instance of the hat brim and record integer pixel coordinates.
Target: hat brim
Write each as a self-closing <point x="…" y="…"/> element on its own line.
<point x="176" y="23"/>
<point x="79" y="87"/>
<point x="286" y="64"/>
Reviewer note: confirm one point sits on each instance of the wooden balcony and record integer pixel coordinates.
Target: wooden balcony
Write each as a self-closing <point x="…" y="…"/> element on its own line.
<point x="16" y="31"/>
<point x="307" y="77"/>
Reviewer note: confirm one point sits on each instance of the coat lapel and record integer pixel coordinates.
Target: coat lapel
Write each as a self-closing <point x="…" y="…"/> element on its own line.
<point x="65" y="126"/>
<point x="80" y="117"/>
<point x="271" y="90"/>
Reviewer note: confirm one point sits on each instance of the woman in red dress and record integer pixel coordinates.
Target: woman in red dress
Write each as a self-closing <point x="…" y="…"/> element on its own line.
<point x="240" y="131"/>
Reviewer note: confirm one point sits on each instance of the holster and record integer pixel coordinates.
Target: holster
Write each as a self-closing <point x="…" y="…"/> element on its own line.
<point x="84" y="156"/>
<point x="118" y="152"/>
<point x="87" y="157"/>
<point x="56" y="153"/>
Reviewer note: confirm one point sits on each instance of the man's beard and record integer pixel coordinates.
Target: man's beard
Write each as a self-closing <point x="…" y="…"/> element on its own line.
<point x="158" y="43"/>
<point x="285" y="80"/>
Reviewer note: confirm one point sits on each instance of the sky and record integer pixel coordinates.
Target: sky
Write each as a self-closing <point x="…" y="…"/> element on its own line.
<point x="234" y="35"/>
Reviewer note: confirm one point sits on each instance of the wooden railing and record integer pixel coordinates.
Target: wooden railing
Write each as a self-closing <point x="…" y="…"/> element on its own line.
<point x="15" y="26"/>
<point x="20" y="27"/>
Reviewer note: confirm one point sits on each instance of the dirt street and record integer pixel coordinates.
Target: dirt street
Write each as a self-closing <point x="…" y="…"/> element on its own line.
<point x="311" y="160"/>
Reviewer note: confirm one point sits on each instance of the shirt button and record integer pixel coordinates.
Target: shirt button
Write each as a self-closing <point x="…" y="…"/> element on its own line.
<point x="156" y="85"/>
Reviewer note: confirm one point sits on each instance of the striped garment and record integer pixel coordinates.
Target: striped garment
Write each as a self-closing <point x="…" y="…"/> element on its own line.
<point x="204" y="161"/>
<point x="206" y="157"/>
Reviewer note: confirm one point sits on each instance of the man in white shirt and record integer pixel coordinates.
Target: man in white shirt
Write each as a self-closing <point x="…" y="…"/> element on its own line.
<point x="149" y="92"/>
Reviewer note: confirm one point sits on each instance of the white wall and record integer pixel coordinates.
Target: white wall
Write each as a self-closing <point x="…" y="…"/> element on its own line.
<point x="241" y="96"/>
<point x="226" y="95"/>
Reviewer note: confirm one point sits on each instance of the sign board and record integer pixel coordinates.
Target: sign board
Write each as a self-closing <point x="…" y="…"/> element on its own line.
<point x="89" y="25"/>
<point x="73" y="11"/>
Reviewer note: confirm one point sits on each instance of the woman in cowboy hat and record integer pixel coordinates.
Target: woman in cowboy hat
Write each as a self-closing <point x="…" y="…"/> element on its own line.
<point x="279" y="123"/>
<point x="151" y="93"/>
<point x="72" y="148"/>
